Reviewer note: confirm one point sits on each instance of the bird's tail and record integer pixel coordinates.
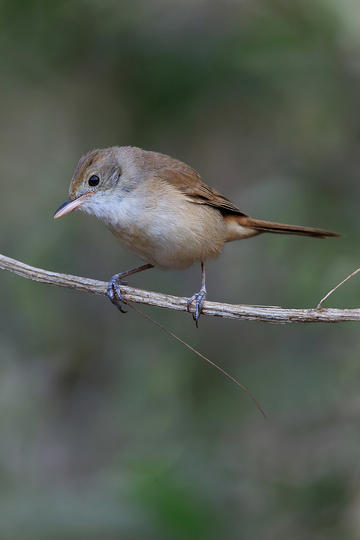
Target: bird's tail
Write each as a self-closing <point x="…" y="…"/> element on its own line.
<point x="248" y="226"/>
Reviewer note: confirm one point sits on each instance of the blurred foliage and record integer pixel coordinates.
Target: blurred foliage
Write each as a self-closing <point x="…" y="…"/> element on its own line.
<point x="110" y="429"/>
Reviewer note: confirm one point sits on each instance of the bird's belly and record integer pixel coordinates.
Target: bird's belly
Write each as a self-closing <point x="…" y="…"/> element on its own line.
<point x="174" y="239"/>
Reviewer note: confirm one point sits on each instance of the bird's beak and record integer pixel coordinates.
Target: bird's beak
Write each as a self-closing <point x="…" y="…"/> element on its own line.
<point x="69" y="206"/>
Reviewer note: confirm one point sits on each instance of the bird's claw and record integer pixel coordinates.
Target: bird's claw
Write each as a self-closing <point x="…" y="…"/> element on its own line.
<point x="199" y="298"/>
<point x="114" y="293"/>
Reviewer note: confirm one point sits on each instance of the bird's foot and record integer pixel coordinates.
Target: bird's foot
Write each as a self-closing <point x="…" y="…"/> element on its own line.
<point x="114" y="293"/>
<point x="199" y="298"/>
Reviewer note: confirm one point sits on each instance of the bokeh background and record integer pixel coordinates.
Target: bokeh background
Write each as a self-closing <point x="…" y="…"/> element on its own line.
<point x="108" y="428"/>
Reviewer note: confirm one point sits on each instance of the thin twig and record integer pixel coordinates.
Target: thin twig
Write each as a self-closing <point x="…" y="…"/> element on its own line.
<point x="198" y="353"/>
<point x="272" y="314"/>
<point x="337" y="286"/>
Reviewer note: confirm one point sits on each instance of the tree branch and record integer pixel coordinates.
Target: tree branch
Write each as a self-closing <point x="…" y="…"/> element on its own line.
<point x="273" y="314"/>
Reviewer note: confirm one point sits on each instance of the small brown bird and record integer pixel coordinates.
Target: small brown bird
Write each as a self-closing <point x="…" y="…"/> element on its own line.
<point x="159" y="208"/>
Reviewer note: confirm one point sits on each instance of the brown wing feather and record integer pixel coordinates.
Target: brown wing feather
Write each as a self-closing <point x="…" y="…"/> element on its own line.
<point x="189" y="182"/>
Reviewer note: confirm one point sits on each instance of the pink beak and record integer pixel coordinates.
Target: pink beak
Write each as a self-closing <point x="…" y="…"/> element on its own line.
<point x="69" y="206"/>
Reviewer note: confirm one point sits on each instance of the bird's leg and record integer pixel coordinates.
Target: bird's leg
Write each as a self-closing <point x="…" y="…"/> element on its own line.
<point x="199" y="297"/>
<point x="113" y="290"/>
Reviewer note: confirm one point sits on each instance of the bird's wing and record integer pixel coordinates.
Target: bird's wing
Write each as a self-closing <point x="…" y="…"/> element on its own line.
<point x="189" y="182"/>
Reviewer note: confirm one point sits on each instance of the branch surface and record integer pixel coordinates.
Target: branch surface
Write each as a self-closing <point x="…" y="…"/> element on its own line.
<point x="273" y="314"/>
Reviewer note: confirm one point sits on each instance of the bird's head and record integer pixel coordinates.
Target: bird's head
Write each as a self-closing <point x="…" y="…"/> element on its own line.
<point x="97" y="175"/>
<point x="102" y="179"/>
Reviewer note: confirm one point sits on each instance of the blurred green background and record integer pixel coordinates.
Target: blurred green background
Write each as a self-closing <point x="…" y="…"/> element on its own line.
<point x="108" y="428"/>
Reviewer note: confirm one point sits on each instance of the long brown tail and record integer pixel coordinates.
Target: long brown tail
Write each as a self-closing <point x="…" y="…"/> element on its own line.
<point x="282" y="228"/>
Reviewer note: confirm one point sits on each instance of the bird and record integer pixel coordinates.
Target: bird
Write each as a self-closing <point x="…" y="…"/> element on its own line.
<point x="160" y="209"/>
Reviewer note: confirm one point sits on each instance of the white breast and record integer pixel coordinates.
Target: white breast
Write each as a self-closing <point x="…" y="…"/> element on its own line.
<point x="161" y="226"/>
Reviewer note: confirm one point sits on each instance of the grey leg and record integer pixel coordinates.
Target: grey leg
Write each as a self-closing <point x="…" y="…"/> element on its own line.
<point x="113" y="289"/>
<point x="199" y="297"/>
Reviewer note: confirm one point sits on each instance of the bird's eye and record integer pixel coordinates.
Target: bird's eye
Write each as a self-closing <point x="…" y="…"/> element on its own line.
<point x="94" y="180"/>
